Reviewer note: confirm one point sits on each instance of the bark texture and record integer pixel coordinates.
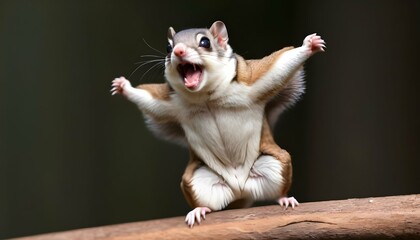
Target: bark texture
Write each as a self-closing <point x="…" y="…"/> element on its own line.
<point x="367" y="218"/>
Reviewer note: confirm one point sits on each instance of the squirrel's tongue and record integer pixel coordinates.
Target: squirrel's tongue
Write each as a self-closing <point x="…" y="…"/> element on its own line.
<point x="192" y="78"/>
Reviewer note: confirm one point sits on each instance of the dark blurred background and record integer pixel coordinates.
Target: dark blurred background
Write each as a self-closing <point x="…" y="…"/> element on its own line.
<point x="73" y="156"/>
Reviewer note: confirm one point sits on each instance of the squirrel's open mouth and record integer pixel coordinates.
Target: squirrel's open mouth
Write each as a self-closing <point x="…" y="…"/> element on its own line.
<point x="191" y="74"/>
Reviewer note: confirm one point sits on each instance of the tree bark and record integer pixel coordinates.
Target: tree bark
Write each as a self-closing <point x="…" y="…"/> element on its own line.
<point x="366" y="218"/>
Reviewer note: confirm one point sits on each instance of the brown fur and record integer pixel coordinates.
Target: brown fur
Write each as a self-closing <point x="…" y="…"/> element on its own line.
<point x="186" y="186"/>
<point x="159" y="91"/>
<point x="249" y="71"/>
<point x="269" y="147"/>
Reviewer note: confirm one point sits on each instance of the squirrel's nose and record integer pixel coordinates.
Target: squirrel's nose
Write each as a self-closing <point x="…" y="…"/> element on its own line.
<point x="180" y="50"/>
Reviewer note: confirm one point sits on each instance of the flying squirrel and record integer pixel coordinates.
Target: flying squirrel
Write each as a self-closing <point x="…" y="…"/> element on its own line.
<point x="222" y="107"/>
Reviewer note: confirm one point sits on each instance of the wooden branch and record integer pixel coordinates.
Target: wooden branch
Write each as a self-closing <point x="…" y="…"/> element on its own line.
<point x="367" y="218"/>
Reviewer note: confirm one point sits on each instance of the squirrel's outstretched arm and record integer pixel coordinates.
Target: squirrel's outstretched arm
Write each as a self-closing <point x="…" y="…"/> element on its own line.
<point x="152" y="99"/>
<point x="267" y="76"/>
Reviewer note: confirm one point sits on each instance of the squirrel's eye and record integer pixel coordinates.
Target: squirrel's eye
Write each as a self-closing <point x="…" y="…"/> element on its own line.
<point x="204" y="42"/>
<point x="169" y="48"/>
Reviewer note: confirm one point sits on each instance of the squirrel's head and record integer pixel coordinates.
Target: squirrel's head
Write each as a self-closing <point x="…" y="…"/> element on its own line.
<point x="199" y="59"/>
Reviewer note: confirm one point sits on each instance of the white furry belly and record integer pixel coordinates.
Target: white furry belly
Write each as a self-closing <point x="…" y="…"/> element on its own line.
<point x="226" y="139"/>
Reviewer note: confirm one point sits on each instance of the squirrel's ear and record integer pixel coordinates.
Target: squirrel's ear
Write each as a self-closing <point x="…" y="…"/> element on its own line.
<point x="171" y="33"/>
<point x="219" y="32"/>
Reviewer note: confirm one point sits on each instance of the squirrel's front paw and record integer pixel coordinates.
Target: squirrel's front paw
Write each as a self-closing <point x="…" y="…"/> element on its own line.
<point x="314" y="43"/>
<point x="119" y="84"/>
